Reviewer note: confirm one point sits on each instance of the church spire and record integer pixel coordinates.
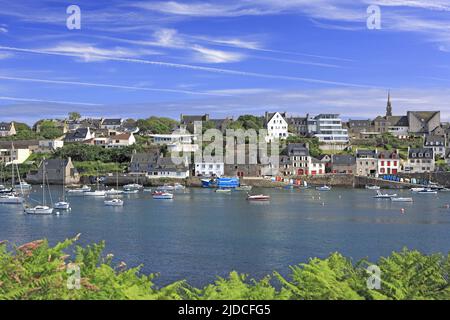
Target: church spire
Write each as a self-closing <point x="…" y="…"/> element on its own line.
<point x="389" y="105"/>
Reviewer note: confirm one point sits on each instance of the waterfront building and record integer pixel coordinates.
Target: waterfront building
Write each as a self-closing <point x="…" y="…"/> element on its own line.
<point x="343" y="164"/>
<point x="79" y="135"/>
<point x="7" y="129"/>
<point x="366" y="162"/>
<point x="437" y="143"/>
<point x="299" y="162"/>
<point x="276" y="126"/>
<point x="209" y="167"/>
<point x="55" y="170"/>
<point x="154" y="165"/>
<point x="388" y="162"/>
<point x="420" y="160"/>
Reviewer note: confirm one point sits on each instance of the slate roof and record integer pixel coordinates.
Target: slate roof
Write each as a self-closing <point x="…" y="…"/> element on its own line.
<point x="79" y="133"/>
<point x="433" y="140"/>
<point x="5" y="126"/>
<point x="297" y="149"/>
<point x="112" y="122"/>
<point x="343" y="160"/>
<point x="420" y="153"/>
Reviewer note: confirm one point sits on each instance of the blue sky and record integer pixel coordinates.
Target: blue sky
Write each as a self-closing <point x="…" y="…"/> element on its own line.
<point x="140" y="58"/>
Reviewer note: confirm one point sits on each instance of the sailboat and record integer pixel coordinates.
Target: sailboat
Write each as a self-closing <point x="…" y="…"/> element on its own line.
<point x="115" y="202"/>
<point x="63" y="204"/>
<point x="97" y="192"/>
<point x="41" y="209"/>
<point x="113" y="192"/>
<point x="11" y="197"/>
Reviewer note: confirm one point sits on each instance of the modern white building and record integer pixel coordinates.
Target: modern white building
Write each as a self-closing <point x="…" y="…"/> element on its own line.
<point x="51" y="144"/>
<point x="328" y="129"/>
<point x="17" y="156"/>
<point x="276" y="125"/>
<point x="177" y="142"/>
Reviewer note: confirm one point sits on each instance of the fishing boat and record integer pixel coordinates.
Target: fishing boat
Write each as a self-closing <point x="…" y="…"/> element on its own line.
<point x="84" y="188"/>
<point x="323" y="188"/>
<point x="244" y="187"/>
<point x="258" y="197"/>
<point x="427" y="191"/>
<point x="113" y="202"/>
<point x="402" y="199"/>
<point x="384" y="195"/>
<point x="223" y="190"/>
<point x="42" y="208"/>
<point x="162" y="195"/>
<point x="369" y="187"/>
<point x="63" y="204"/>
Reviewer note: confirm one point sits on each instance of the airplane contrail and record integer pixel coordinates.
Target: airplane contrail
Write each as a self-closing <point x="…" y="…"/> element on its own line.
<point x="191" y="67"/>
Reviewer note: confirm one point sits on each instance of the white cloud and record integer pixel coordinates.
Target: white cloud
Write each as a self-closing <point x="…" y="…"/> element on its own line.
<point x="16" y="99"/>
<point x="205" y="55"/>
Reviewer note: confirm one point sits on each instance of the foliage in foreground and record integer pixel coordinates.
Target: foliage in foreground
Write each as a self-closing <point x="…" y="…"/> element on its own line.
<point x="37" y="271"/>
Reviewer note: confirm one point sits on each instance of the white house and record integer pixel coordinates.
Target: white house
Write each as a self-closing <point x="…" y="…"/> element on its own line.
<point x="17" y="156"/>
<point x="79" y="135"/>
<point x="209" y="167"/>
<point x="7" y="129"/>
<point x="52" y="144"/>
<point x="177" y="141"/>
<point x="276" y="125"/>
<point x="121" y="140"/>
<point x="111" y="124"/>
<point x="420" y="160"/>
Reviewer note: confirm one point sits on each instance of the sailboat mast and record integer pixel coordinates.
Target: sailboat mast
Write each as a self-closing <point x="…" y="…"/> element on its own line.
<point x="63" y="184"/>
<point x="12" y="166"/>
<point x="43" y="182"/>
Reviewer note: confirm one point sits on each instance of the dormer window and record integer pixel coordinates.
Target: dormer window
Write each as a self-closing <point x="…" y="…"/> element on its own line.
<point x="427" y="155"/>
<point x="414" y="155"/>
<point x="420" y="155"/>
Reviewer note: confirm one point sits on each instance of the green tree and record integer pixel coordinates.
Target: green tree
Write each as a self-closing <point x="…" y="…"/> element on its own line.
<point x="74" y="115"/>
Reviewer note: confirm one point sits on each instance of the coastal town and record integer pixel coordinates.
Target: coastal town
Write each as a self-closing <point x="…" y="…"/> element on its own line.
<point x="313" y="145"/>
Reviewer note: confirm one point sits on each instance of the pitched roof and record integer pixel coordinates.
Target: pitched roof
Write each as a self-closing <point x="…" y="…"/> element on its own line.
<point x="431" y="140"/>
<point x="366" y="153"/>
<point x="359" y="123"/>
<point x="79" y="133"/>
<point x="5" y="126"/>
<point x="121" y="136"/>
<point x="297" y="149"/>
<point x="19" y="144"/>
<point x="423" y="116"/>
<point x="343" y="159"/>
<point x="421" y="153"/>
<point x="398" y="121"/>
<point x="112" y="122"/>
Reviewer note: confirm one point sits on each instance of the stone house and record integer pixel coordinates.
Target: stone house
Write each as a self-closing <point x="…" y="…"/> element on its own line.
<point x="56" y="170"/>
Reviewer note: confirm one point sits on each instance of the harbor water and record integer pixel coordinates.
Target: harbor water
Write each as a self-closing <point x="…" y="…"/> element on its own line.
<point x="201" y="234"/>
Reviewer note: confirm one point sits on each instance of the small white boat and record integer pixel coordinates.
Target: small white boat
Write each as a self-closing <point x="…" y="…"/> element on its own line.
<point x="258" y="197"/>
<point x="384" y="195"/>
<point x="427" y="191"/>
<point x="402" y="199"/>
<point x="417" y="189"/>
<point x="130" y="191"/>
<point x="39" y="210"/>
<point x="113" y="192"/>
<point x="372" y="187"/>
<point x="96" y="193"/>
<point x="23" y="186"/>
<point x="162" y="195"/>
<point x="113" y="203"/>
<point x="79" y="190"/>
<point x="62" y="205"/>
<point x="243" y="187"/>
<point x="147" y="190"/>
<point x="323" y="188"/>
<point x="133" y="186"/>
<point x="223" y="190"/>
<point x="11" y="199"/>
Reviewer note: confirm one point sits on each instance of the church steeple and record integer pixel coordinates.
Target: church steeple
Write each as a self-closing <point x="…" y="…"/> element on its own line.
<point x="389" y="105"/>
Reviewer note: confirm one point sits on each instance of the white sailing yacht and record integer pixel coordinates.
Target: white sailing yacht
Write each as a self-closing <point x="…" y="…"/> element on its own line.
<point x="97" y="192"/>
<point x="63" y="204"/>
<point x="41" y="209"/>
<point x="12" y="197"/>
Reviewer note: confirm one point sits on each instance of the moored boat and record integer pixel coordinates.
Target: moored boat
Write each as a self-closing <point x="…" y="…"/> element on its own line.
<point x="258" y="197"/>
<point x="223" y="190"/>
<point x="84" y="188"/>
<point x="323" y="188"/>
<point x="162" y="195"/>
<point x="40" y="209"/>
<point x="113" y="202"/>
<point x="399" y="199"/>
<point x="369" y="187"/>
<point x="23" y="186"/>
<point x="95" y="193"/>
<point x="244" y="187"/>
<point x="427" y="191"/>
<point x="11" y="198"/>
<point x="384" y="195"/>
<point x="62" y="205"/>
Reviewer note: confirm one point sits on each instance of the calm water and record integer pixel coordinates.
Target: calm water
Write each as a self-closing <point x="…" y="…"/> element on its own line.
<point x="201" y="234"/>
